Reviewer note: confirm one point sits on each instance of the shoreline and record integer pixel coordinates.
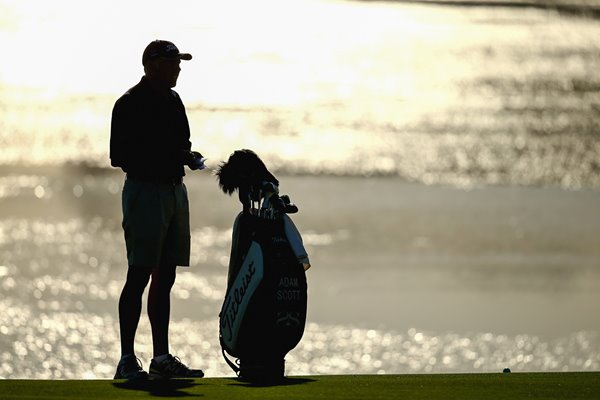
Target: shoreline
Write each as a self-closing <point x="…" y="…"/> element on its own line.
<point x="582" y="8"/>
<point x="78" y="169"/>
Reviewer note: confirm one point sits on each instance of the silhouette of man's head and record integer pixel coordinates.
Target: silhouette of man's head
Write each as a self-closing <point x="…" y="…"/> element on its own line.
<point x="161" y="60"/>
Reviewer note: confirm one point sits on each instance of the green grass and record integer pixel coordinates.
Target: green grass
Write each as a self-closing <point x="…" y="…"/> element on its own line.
<point x="513" y="386"/>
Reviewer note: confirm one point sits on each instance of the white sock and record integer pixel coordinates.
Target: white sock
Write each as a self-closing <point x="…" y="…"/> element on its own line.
<point x="161" y="358"/>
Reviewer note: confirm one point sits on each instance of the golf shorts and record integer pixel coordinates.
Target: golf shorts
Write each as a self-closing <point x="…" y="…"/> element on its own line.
<point x="156" y="221"/>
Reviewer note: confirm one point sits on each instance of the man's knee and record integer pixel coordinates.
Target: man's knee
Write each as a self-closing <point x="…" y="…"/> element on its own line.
<point x="138" y="277"/>
<point x="164" y="276"/>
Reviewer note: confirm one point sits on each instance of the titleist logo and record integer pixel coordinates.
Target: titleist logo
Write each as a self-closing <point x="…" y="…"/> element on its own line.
<point x="234" y="299"/>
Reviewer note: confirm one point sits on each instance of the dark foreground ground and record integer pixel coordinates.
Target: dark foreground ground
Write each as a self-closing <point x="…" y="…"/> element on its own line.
<point x="512" y="386"/>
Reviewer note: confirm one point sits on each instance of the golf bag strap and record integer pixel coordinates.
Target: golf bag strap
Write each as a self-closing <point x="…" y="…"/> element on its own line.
<point x="231" y="364"/>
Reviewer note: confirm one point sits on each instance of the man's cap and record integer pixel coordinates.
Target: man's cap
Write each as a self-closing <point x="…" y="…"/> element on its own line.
<point x="163" y="49"/>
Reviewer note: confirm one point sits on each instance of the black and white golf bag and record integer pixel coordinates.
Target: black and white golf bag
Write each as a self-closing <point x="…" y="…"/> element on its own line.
<point x="264" y="311"/>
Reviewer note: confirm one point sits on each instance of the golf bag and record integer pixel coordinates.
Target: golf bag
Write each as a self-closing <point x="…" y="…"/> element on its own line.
<point x="264" y="311"/>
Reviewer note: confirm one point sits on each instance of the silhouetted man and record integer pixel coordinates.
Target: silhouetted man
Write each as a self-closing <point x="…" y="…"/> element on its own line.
<point x="150" y="141"/>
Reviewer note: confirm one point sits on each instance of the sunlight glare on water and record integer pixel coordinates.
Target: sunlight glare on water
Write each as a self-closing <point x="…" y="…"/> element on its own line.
<point x="253" y="47"/>
<point x="430" y="94"/>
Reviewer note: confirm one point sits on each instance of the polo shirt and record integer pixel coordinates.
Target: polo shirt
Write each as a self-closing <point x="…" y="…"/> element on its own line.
<point x="150" y="133"/>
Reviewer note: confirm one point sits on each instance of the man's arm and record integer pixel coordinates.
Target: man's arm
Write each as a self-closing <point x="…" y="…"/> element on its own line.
<point x="121" y="134"/>
<point x="186" y="155"/>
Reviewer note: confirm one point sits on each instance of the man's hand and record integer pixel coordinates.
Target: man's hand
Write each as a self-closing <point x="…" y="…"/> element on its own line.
<point x="193" y="160"/>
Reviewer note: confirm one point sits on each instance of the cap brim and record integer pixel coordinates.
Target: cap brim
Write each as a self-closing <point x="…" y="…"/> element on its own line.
<point x="180" y="56"/>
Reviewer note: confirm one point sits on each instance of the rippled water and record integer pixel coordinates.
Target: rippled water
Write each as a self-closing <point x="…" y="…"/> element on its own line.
<point x="62" y="268"/>
<point x="461" y="96"/>
<point x="79" y="345"/>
